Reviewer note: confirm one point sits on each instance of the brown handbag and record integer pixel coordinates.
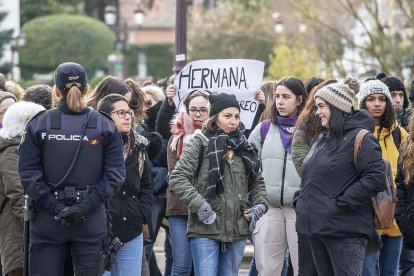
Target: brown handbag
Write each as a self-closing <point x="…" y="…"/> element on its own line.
<point x="383" y="202"/>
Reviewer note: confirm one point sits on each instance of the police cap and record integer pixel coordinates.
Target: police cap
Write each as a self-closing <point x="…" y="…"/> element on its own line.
<point x="69" y="74"/>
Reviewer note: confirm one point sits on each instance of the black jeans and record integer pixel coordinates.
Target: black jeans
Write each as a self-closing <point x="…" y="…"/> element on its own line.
<point x="338" y="256"/>
<point x="307" y="265"/>
<point x="407" y="261"/>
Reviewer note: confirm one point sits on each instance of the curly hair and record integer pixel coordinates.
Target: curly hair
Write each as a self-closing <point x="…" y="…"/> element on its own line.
<point x="407" y="154"/>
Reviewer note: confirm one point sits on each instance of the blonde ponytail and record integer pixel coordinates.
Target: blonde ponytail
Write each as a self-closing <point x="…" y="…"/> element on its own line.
<point x="75" y="100"/>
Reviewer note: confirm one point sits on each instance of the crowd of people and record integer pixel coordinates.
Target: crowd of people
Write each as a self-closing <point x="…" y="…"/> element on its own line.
<point x="115" y="164"/>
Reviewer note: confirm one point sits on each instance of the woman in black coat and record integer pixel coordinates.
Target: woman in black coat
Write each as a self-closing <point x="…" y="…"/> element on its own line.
<point x="334" y="205"/>
<point x="404" y="212"/>
<point x="130" y="208"/>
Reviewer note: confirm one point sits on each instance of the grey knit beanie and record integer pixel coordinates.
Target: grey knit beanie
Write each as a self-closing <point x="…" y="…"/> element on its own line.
<point x="338" y="95"/>
<point x="5" y="95"/>
<point x="373" y="87"/>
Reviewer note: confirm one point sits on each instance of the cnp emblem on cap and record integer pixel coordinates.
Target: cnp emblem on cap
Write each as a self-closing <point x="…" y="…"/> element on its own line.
<point x="69" y="74"/>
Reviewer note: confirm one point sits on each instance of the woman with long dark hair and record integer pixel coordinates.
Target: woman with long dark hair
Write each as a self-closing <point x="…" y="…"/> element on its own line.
<point x="130" y="208"/>
<point x="334" y="205"/>
<point x="375" y="97"/>
<point x="275" y="232"/>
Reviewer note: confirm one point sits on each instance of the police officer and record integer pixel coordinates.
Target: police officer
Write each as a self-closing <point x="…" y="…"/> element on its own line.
<point x="70" y="163"/>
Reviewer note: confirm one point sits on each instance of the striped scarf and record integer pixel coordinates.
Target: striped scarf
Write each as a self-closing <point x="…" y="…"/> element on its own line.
<point x="219" y="143"/>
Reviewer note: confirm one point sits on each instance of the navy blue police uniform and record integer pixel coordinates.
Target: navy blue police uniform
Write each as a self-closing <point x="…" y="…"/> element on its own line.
<point x="45" y="155"/>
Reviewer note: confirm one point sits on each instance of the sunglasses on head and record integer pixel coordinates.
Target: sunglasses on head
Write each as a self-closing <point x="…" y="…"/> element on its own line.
<point x="148" y="103"/>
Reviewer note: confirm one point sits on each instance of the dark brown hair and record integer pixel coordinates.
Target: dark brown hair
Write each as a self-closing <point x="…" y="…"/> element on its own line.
<point x="308" y="122"/>
<point x="298" y="89"/>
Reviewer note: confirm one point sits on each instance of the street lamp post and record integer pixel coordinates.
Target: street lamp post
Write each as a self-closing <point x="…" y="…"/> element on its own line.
<point x="15" y="44"/>
<point x="118" y="63"/>
<point x="180" y="59"/>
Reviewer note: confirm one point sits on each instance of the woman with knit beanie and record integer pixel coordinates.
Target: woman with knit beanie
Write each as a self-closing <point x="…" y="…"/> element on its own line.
<point x="218" y="177"/>
<point x="276" y="230"/>
<point x="334" y="205"/>
<point x="375" y="97"/>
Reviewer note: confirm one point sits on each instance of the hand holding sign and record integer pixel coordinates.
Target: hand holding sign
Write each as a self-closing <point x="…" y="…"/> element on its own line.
<point x="241" y="77"/>
<point x="170" y="93"/>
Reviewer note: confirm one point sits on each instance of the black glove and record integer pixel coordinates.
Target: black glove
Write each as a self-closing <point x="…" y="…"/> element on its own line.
<point x="341" y="203"/>
<point x="206" y="214"/>
<point x="74" y="214"/>
<point x="253" y="214"/>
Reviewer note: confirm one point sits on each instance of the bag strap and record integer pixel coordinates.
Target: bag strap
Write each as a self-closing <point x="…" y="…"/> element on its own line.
<point x="396" y="136"/>
<point x="358" y="142"/>
<point x="200" y="157"/>
<point x="264" y="129"/>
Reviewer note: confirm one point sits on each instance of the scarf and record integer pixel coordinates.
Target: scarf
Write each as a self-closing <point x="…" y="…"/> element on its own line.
<point x="182" y="130"/>
<point x="132" y="142"/>
<point x="218" y="145"/>
<point x="286" y="130"/>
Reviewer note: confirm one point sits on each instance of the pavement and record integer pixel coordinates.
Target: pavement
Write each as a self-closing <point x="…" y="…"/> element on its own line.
<point x="159" y="252"/>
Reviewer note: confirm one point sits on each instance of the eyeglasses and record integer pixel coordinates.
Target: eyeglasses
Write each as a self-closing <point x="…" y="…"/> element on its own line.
<point x="122" y="113"/>
<point x="194" y="111"/>
<point x="148" y="103"/>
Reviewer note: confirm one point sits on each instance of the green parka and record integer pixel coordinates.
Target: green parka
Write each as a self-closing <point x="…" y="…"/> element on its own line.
<point x="238" y="195"/>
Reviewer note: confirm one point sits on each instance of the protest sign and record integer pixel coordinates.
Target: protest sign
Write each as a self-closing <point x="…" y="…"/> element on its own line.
<point x="242" y="77"/>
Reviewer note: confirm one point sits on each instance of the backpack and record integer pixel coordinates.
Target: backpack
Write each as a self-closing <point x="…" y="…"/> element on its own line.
<point x="264" y="129"/>
<point x="382" y="203"/>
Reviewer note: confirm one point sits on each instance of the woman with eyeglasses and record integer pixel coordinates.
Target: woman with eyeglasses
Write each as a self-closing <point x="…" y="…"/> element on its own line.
<point x="130" y="208"/>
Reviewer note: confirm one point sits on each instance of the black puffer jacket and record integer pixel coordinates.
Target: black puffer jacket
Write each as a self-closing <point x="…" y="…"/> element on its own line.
<point x="404" y="212"/>
<point x="335" y="199"/>
<point x="131" y="207"/>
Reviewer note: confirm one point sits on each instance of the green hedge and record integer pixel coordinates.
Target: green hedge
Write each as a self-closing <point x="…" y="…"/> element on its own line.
<point x="51" y="40"/>
<point x="159" y="59"/>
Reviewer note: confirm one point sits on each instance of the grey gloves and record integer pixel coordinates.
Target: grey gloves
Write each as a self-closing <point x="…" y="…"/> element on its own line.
<point x="253" y="214"/>
<point x="206" y="214"/>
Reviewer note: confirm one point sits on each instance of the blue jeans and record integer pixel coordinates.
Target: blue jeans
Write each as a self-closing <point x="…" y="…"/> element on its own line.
<point x="181" y="248"/>
<point x="370" y="266"/>
<point x="389" y="258"/>
<point x="128" y="259"/>
<point x="214" y="258"/>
